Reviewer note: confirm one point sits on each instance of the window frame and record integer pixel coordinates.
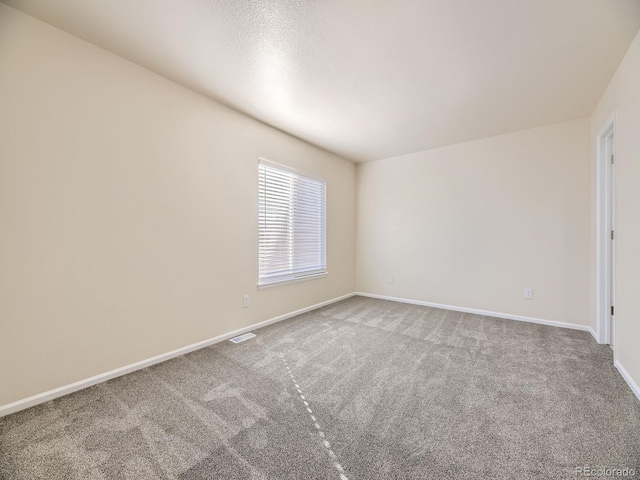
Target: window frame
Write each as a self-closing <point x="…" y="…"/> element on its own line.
<point x="302" y="276"/>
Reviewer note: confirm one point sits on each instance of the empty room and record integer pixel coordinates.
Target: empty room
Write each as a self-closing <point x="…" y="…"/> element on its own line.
<point x="349" y="240"/>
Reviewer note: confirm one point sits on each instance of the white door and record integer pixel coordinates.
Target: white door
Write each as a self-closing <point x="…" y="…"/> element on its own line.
<point x="612" y="250"/>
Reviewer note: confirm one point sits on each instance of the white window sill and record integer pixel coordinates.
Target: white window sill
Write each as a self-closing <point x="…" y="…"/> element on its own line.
<point x="293" y="280"/>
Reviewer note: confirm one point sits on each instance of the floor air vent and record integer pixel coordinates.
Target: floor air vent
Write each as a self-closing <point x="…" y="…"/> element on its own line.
<point x="242" y="338"/>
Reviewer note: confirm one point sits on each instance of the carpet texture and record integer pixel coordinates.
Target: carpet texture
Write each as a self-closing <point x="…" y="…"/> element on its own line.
<point x="361" y="389"/>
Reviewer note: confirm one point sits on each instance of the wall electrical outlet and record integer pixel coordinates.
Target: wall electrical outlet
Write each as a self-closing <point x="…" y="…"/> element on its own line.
<point x="390" y="279"/>
<point x="528" y="293"/>
<point x="245" y="301"/>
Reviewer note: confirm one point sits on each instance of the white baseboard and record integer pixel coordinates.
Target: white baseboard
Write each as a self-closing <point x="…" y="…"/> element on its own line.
<point x="520" y="318"/>
<point x="627" y="378"/>
<point x="103" y="377"/>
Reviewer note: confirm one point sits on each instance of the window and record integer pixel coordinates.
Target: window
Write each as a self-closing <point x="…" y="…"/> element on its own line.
<point x="292" y="225"/>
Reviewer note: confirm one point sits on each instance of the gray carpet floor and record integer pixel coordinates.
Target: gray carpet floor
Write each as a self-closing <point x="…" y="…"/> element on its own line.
<point x="361" y="389"/>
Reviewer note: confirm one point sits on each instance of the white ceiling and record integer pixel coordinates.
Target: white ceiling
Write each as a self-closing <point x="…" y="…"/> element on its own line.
<point x="371" y="79"/>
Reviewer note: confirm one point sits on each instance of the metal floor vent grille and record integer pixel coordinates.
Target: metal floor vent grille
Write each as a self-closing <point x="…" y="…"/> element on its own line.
<point x="242" y="338"/>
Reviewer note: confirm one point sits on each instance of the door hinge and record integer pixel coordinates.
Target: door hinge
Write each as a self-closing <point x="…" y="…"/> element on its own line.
<point x="613" y="158"/>
<point x="613" y="235"/>
<point x="612" y="310"/>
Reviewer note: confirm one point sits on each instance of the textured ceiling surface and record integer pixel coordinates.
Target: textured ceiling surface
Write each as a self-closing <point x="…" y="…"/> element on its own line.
<point x="371" y="79"/>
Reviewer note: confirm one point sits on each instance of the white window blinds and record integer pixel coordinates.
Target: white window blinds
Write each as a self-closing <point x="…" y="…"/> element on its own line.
<point x="292" y="225"/>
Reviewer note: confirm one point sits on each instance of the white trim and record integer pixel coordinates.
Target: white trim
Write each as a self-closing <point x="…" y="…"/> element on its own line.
<point x="603" y="229"/>
<point x="286" y="168"/>
<point x="103" y="377"/>
<point x="301" y="278"/>
<point x="627" y="378"/>
<point x="520" y="318"/>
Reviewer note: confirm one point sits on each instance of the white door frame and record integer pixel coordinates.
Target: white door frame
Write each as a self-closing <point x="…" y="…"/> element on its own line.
<point x="604" y="220"/>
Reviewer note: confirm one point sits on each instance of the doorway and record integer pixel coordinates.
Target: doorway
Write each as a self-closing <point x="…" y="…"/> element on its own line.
<point x="606" y="234"/>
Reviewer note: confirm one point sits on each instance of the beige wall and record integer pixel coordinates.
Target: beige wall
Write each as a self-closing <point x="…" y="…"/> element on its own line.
<point x="128" y="207"/>
<point x="622" y="97"/>
<point x="472" y="225"/>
